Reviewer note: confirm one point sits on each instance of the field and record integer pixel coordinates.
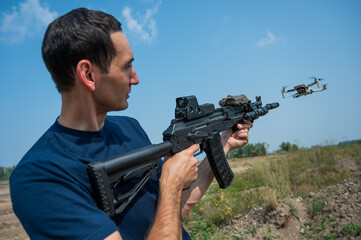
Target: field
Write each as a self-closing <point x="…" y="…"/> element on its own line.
<point x="10" y="227"/>
<point x="307" y="194"/>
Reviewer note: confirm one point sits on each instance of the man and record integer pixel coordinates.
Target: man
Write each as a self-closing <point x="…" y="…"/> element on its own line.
<point x="90" y="61"/>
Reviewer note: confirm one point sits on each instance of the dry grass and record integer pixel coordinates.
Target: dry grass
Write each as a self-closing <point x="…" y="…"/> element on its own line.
<point x="292" y="174"/>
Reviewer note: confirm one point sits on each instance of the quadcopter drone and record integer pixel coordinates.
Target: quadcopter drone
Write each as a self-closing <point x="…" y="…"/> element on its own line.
<point x="304" y="89"/>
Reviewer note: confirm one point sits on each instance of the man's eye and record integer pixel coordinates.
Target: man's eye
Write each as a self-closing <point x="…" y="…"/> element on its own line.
<point x="126" y="67"/>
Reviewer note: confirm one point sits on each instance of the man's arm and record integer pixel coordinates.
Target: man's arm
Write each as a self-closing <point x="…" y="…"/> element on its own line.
<point x="178" y="172"/>
<point x="198" y="188"/>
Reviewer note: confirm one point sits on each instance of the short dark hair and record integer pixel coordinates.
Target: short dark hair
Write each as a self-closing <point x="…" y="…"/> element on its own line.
<point x="79" y="34"/>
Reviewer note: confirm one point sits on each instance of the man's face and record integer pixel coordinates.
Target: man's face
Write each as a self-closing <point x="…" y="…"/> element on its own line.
<point x="112" y="89"/>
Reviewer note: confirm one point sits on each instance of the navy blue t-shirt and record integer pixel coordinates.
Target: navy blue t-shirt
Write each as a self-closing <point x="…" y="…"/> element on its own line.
<point x="51" y="192"/>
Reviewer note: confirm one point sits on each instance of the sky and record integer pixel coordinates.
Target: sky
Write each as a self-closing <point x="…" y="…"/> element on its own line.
<point x="206" y="48"/>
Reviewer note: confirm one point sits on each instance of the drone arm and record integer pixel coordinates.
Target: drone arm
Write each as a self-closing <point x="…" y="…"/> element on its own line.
<point x="311" y="84"/>
<point x="289" y="90"/>
<point x="317" y="90"/>
<point x="286" y="91"/>
<point x="316" y="80"/>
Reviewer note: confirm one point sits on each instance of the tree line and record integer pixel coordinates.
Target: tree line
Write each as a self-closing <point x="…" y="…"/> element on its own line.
<point x="6" y="172"/>
<point x="260" y="149"/>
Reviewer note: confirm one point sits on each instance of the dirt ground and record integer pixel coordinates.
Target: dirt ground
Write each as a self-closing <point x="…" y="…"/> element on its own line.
<point x="331" y="213"/>
<point x="339" y="216"/>
<point x="10" y="227"/>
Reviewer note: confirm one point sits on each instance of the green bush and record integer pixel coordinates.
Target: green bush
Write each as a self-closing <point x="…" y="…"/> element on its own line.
<point x="6" y="172"/>
<point x="249" y="150"/>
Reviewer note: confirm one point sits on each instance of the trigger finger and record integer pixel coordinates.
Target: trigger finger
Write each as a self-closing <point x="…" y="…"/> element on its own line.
<point x="194" y="148"/>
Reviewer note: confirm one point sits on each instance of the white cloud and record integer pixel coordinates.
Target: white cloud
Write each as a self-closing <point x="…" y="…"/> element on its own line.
<point x="270" y="39"/>
<point x="142" y="28"/>
<point x="25" y="20"/>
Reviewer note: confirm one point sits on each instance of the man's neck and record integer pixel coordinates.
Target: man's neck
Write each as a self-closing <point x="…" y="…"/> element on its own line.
<point x="80" y="115"/>
<point x="80" y="124"/>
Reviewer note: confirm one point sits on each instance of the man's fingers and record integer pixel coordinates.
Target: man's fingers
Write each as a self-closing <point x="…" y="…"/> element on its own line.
<point x="241" y="134"/>
<point x="248" y="122"/>
<point x="194" y="148"/>
<point x="243" y="126"/>
<point x="247" y="125"/>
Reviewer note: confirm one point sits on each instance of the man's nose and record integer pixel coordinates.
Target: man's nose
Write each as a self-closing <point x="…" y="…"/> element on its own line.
<point x="134" y="78"/>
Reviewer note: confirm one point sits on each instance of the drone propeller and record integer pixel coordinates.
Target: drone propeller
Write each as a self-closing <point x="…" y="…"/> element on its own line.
<point x="283" y="91"/>
<point x="316" y="80"/>
<point x="319" y="79"/>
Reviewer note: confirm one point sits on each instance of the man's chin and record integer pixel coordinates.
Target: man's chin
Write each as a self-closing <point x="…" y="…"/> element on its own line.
<point x="119" y="108"/>
<point x="124" y="106"/>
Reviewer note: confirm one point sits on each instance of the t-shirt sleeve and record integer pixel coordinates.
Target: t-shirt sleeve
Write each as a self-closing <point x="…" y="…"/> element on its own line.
<point x="51" y="202"/>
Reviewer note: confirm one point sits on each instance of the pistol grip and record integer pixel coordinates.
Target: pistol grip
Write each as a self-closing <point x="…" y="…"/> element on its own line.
<point x="218" y="161"/>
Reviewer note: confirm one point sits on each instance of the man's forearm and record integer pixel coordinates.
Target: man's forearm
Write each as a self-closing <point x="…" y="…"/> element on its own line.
<point x="167" y="223"/>
<point x="198" y="188"/>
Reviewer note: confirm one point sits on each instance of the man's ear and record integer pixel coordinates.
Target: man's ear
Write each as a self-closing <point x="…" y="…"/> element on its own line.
<point x="84" y="71"/>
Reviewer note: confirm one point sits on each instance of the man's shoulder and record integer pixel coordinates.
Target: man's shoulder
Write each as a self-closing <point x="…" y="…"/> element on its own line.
<point x="47" y="155"/>
<point x="38" y="150"/>
<point x="41" y="162"/>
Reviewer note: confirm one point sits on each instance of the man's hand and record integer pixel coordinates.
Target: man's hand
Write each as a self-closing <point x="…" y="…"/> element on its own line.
<point x="180" y="169"/>
<point x="232" y="140"/>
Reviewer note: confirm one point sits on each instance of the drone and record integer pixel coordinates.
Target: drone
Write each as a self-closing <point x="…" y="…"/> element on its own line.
<point x="304" y="89"/>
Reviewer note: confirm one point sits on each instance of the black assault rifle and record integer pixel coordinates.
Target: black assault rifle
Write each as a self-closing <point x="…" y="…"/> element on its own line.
<point x="193" y="124"/>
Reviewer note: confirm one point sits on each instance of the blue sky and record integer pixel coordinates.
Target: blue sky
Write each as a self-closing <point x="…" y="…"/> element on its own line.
<point x="204" y="48"/>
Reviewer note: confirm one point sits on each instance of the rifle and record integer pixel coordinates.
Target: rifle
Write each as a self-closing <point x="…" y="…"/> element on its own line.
<point x="193" y="124"/>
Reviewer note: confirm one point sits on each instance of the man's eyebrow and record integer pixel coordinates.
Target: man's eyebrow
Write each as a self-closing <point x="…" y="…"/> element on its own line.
<point x="129" y="62"/>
